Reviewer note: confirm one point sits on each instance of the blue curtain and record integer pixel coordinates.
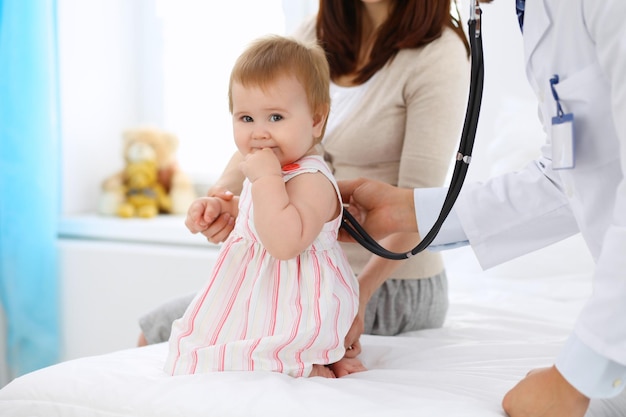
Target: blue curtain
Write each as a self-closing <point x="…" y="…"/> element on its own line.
<point x="29" y="183"/>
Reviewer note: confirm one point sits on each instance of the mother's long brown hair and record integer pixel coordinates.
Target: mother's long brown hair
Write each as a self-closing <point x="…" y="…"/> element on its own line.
<point x="411" y="24"/>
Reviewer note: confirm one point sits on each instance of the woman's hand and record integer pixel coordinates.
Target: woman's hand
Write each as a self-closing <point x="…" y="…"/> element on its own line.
<point x="351" y="341"/>
<point x="214" y="226"/>
<point x="201" y="213"/>
<point x="346" y="366"/>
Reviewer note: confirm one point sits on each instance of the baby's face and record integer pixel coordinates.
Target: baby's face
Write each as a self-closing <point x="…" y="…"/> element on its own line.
<point x="276" y="117"/>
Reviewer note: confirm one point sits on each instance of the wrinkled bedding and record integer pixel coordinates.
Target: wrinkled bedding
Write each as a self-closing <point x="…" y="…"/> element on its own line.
<point x="501" y="323"/>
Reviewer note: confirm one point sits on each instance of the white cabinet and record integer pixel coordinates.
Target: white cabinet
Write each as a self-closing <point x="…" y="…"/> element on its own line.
<point x="107" y="282"/>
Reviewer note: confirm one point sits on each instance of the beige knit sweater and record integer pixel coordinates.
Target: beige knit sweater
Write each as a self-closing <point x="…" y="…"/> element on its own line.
<point x="405" y="131"/>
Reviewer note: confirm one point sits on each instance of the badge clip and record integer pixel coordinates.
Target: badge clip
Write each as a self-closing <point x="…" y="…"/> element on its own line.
<point x="562" y="133"/>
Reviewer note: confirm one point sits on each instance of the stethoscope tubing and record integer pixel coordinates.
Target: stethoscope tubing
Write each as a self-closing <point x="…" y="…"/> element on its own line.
<point x="464" y="155"/>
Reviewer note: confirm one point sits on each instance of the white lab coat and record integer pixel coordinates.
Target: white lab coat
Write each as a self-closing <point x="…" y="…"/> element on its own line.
<point x="584" y="42"/>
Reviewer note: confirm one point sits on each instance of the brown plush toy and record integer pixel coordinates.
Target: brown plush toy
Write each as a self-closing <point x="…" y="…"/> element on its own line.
<point x="150" y="164"/>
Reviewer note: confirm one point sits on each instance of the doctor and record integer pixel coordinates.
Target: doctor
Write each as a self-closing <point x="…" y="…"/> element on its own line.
<point x="575" y="54"/>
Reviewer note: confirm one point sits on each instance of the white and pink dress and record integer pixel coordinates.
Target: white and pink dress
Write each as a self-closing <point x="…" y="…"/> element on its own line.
<point x="257" y="312"/>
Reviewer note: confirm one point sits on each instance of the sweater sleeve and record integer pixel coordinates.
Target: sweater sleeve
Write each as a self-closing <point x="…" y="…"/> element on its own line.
<point x="435" y="95"/>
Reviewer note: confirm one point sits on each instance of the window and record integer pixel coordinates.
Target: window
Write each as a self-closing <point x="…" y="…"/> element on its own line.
<point x="159" y="62"/>
<point x="200" y="43"/>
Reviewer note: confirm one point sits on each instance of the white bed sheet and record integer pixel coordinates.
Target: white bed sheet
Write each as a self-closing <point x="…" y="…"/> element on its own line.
<point x="501" y="323"/>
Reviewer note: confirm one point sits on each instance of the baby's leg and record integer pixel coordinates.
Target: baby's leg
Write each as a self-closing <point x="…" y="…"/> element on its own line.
<point x="347" y="366"/>
<point x="321" y="370"/>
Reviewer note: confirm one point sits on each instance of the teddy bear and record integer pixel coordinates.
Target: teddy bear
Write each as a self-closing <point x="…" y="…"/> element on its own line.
<point x="144" y="195"/>
<point x="150" y="165"/>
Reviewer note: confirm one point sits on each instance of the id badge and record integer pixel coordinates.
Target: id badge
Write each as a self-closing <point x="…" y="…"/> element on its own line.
<point x="563" y="152"/>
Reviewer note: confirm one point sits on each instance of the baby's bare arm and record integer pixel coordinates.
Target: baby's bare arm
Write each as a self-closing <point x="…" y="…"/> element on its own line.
<point x="288" y="216"/>
<point x="296" y="210"/>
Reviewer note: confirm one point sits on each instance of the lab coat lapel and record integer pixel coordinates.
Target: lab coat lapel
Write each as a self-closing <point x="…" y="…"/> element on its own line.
<point x="536" y="23"/>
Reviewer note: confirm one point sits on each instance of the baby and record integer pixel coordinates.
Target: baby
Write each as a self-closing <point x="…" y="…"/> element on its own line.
<point x="282" y="295"/>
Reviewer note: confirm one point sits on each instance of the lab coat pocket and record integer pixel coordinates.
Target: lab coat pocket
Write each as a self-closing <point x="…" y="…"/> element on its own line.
<point x="585" y="94"/>
<point x="580" y="85"/>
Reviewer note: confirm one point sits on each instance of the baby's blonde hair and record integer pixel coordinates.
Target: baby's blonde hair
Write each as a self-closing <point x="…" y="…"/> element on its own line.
<point x="273" y="56"/>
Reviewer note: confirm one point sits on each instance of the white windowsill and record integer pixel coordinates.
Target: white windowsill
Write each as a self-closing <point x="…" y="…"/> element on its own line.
<point x="163" y="229"/>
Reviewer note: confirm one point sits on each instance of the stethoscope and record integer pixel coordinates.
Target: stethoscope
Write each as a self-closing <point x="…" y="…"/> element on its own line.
<point x="463" y="158"/>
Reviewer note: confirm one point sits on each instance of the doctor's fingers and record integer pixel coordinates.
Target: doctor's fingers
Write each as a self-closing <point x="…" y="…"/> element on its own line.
<point x="347" y="187"/>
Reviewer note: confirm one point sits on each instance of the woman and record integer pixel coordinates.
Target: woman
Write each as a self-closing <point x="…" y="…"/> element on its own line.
<point x="400" y="76"/>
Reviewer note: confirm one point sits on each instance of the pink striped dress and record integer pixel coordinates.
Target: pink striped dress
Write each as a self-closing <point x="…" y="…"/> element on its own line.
<point x="260" y="313"/>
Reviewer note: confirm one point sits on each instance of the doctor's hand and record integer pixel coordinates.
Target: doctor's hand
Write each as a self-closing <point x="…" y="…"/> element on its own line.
<point x="545" y="393"/>
<point x="380" y="208"/>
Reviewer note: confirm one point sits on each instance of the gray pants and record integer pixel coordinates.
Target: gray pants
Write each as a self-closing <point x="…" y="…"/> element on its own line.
<point x="398" y="306"/>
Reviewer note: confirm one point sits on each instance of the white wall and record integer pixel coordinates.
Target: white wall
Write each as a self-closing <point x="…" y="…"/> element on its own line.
<point x="99" y="92"/>
<point x="110" y="79"/>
